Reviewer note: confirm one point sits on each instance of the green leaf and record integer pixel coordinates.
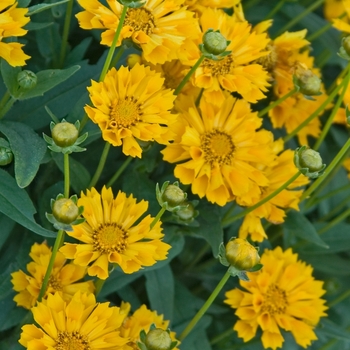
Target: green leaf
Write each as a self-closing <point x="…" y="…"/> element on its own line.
<point x="48" y="79"/>
<point x="78" y="53"/>
<point x="10" y="314"/>
<point x="160" y="290"/>
<point x="28" y="150"/>
<point x="16" y="204"/>
<point x="38" y="25"/>
<point x="42" y="7"/>
<point x="298" y="225"/>
<point x="6" y="225"/>
<point x="332" y="330"/>
<point x="9" y="76"/>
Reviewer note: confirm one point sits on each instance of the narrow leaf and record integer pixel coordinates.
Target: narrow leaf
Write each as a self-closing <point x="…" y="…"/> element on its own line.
<point x="42" y="7"/>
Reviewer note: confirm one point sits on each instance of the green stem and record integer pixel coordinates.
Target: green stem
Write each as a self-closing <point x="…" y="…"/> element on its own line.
<point x="339" y="206"/>
<point x="205" y="307"/>
<point x="341" y="297"/>
<point x="333" y="113"/>
<point x="229" y="221"/>
<point x="119" y="172"/>
<point x="66" y="175"/>
<point x="7" y="107"/>
<point x="65" y="34"/>
<point x="116" y="58"/>
<point x="229" y="212"/>
<point x="274" y="10"/>
<point x="188" y="75"/>
<point x="114" y="43"/>
<point x="156" y="219"/>
<point x="334" y="222"/>
<point x="222" y="336"/>
<point x="314" y="114"/>
<point x="339" y="77"/>
<point x="331" y="194"/>
<point x="98" y="286"/>
<point x="277" y="102"/>
<point x="198" y="99"/>
<point x="101" y="165"/>
<point x="328" y="170"/>
<point x="301" y="15"/>
<point x="4" y="99"/>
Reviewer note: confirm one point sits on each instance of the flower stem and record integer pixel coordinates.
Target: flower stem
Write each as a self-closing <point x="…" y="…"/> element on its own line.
<point x="331" y="194"/>
<point x="101" y="165"/>
<point x="341" y="297"/>
<point x="332" y="115"/>
<point x="205" y="307"/>
<point x="7" y="106"/>
<point x="334" y="210"/>
<point x="156" y="219"/>
<point x="334" y="222"/>
<point x="229" y="221"/>
<point x="66" y="175"/>
<point x="277" y="102"/>
<point x="314" y="114"/>
<point x="114" y="43"/>
<point x="117" y="56"/>
<point x="274" y="10"/>
<point x="221" y="336"/>
<point x="4" y="99"/>
<point x="188" y="75"/>
<point x="301" y="15"/>
<point x="119" y="171"/>
<point x="66" y="32"/>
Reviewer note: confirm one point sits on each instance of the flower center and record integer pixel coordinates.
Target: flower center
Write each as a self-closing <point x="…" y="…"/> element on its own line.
<point x="124" y="113"/>
<point x="140" y="20"/>
<point x="220" y="67"/>
<point x="275" y="300"/>
<point x="218" y="147"/>
<point x="55" y="283"/>
<point x="110" y="238"/>
<point x="72" y="341"/>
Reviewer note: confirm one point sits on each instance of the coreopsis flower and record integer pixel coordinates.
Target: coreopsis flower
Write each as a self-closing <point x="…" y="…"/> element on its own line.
<point x="200" y="5"/>
<point x="236" y="72"/>
<point x="12" y="21"/>
<point x="141" y="320"/>
<point x="278" y="173"/>
<point x="64" y="277"/>
<point x="131" y="105"/>
<point x="110" y="235"/>
<point x="283" y="294"/>
<point x="159" y="28"/>
<point x="80" y="323"/>
<point x="333" y="8"/>
<point x="218" y="148"/>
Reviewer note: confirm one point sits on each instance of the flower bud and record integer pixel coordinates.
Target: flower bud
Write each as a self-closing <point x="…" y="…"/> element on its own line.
<point x="214" y="42"/>
<point x="158" y="339"/>
<point x="27" y="79"/>
<point x="188" y="213"/>
<point x="65" y="210"/>
<point x="309" y="162"/>
<point x="241" y="254"/>
<point x="133" y="59"/>
<point x="64" y="134"/>
<point x="307" y="82"/>
<point x="132" y="3"/>
<point x="346" y="45"/>
<point x="6" y="156"/>
<point x="174" y="195"/>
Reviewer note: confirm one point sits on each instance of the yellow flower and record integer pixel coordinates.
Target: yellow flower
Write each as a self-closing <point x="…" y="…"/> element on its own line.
<point x="131" y="105"/>
<point x="335" y="9"/>
<point x="217" y="149"/>
<point x="78" y="324"/>
<point x="158" y="27"/>
<point x="109" y="234"/>
<point x="283" y="294"/>
<point x="278" y="173"/>
<point x="346" y="165"/>
<point x="141" y="319"/>
<point x="236" y="72"/>
<point x="12" y="19"/>
<point x="62" y="280"/>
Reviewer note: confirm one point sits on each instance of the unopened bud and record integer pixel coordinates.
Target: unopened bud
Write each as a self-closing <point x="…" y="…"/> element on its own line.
<point x="309" y="162"/>
<point x="214" y="42"/>
<point x="241" y="254"/>
<point x="65" y="210"/>
<point x="158" y="339"/>
<point x="64" y="134"/>
<point x="174" y="195"/>
<point x="27" y="79"/>
<point x="188" y="213"/>
<point x="6" y="156"/>
<point x="346" y="45"/>
<point x="133" y="59"/>
<point x="306" y="81"/>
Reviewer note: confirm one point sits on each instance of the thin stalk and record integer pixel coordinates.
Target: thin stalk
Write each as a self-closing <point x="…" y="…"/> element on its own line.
<point x="205" y="307"/>
<point x="341" y="297"/>
<point x="4" y="99"/>
<point x="331" y="194"/>
<point x="277" y="102"/>
<point x="114" y="43"/>
<point x="339" y="77"/>
<point x="332" y="115"/>
<point x="339" y="206"/>
<point x="101" y="165"/>
<point x="188" y="75"/>
<point x="222" y="336"/>
<point x="157" y="218"/>
<point x="334" y="222"/>
<point x="66" y="175"/>
<point x="274" y="10"/>
<point x="229" y="211"/>
<point x="301" y="15"/>
<point x="65" y="34"/>
<point x="116" y="58"/>
<point x="243" y="213"/>
<point x="328" y="170"/>
<point x="119" y="171"/>
<point x="314" y="114"/>
<point x="7" y="107"/>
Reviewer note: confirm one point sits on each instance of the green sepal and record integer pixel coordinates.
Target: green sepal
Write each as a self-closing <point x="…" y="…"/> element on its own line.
<point x="306" y="171"/>
<point x="134" y="4"/>
<point x="211" y="56"/>
<point x="342" y="53"/>
<point x="256" y="268"/>
<point x="222" y="255"/>
<point x="165" y="205"/>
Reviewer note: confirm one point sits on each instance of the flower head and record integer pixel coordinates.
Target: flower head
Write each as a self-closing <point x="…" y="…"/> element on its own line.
<point x="218" y="148"/>
<point x="160" y="28"/>
<point x="131" y="105"/>
<point x="283" y="294"/>
<point x="64" y="277"/>
<point x="12" y="19"/>
<point x="110" y="235"/>
<point x="80" y="323"/>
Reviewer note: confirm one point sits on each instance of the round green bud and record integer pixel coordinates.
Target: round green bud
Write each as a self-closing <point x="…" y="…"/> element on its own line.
<point x="214" y="42"/>
<point x="65" y="210"/>
<point x="241" y="254"/>
<point x="27" y="79"/>
<point x="309" y="83"/>
<point x="6" y="156"/>
<point x="64" y="134"/>
<point x="311" y="159"/>
<point x="158" y="339"/>
<point x="173" y="195"/>
<point x="346" y="44"/>
<point x="187" y="213"/>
